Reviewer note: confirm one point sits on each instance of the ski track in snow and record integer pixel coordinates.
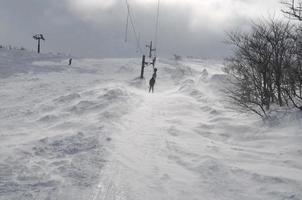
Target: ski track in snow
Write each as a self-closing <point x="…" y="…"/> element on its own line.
<point x="92" y="132"/>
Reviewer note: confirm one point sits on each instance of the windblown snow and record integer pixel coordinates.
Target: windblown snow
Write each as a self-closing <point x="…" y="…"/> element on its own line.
<point x="91" y="131"/>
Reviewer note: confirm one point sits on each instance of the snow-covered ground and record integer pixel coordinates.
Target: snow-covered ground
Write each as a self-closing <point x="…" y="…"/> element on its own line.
<point x="91" y="131"/>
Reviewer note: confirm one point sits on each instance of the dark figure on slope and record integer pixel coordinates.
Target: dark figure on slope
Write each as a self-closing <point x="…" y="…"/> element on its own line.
<point x="152" y="81"/>
<point x="70" y="61"/>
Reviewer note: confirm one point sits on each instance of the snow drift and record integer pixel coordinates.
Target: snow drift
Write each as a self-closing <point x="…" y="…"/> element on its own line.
<point x="91" y="131"/>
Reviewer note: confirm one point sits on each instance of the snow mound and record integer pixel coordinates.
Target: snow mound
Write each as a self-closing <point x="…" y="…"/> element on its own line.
<point x="67" y="98"/>
<point x="204" y="75"/>
<point x="187" y="85"/>
<point x="48" y="119"/>
<point x="52" y="167"/>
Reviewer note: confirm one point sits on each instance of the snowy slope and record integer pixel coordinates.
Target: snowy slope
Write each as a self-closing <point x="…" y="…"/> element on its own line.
<point x="90" y="131"/>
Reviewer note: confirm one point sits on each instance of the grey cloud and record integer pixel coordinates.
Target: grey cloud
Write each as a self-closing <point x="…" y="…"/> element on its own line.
<point x="102" y="33"/>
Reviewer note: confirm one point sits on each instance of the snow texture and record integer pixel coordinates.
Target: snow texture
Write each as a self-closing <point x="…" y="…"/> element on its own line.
<point x="91" y="131"/>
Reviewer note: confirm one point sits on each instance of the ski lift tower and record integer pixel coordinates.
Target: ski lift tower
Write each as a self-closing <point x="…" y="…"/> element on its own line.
<point x="144" y="63"/>
<point x="39" y="37"/>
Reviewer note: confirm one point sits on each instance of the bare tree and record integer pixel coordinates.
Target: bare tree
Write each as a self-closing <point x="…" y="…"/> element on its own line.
<point x="292" y="86"/>
<point x="293" y="90"/>
<point x="261" y="65"/>
<point x="293" y="9"/>
<point x="282" y="43"/>
<point x="248" y="68"/>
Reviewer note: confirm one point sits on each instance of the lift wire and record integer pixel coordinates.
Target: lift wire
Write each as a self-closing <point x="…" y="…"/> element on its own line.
<point x="156" y="27"/>
<point x="136" y="34"/>
<point x="139" y="41"/>
<point x="127" y="25"/>
<point x="133" y="27"/>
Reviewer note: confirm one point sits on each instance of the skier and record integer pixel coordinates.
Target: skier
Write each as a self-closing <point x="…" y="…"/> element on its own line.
<point x="70" y="61"/>
<point x="152" y="81"/>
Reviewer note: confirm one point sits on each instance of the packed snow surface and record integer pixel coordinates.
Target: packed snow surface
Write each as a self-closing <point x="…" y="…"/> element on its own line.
<point x="91" y="131"/>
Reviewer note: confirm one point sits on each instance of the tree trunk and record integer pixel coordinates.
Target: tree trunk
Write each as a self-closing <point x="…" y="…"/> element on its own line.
<point x="279" y="91"/>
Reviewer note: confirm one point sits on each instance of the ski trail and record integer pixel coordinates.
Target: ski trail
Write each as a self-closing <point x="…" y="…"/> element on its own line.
<point x="141" y="166"/>
<point x="158" y="152"/>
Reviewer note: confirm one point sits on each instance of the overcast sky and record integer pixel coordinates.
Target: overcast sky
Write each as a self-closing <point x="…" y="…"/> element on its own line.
<point x="96" y="28"/>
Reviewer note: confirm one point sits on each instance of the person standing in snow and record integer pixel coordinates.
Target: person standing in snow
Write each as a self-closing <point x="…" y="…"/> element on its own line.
<point x="152" y="81"/>
<point x="70" y="61"/>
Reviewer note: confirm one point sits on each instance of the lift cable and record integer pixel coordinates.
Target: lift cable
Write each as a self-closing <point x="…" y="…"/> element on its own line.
<point x="157" y="26"/>
<point x="133" y="27"/>
<point x="127" y="25"/>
